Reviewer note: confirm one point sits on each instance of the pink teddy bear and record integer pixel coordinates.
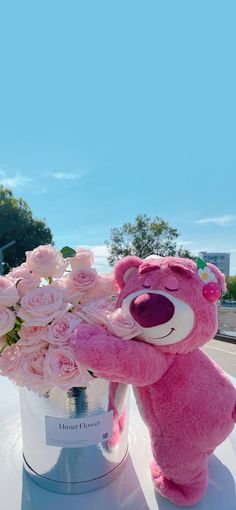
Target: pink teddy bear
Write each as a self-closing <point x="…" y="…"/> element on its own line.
<point x="186" y="400"/>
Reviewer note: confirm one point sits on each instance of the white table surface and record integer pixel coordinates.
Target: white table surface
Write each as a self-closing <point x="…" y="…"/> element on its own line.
<point x="132" y="489"/>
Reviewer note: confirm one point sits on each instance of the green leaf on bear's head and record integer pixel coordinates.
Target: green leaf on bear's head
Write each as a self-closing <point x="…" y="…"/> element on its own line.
<point x="201" y="264"/>
<point x="66" y="251"/>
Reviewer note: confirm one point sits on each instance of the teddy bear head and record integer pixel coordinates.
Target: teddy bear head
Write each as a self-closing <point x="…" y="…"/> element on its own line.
<point x="171" y="299"/>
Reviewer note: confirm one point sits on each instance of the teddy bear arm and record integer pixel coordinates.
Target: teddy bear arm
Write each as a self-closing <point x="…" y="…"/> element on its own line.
<point x="127" y="361"/>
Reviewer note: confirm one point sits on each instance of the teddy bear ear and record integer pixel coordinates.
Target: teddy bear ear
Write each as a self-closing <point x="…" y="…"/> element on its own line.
<point x="213" y="280"/>
<point x="124" y="268"/>
<point x="219" y="276"/>
<point x="209" y="272"/>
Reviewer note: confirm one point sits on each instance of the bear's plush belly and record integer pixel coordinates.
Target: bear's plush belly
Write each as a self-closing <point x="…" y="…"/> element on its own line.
<point x="194" y="401"/>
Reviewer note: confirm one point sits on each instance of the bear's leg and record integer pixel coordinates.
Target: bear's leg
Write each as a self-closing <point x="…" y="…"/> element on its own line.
<point x="179" y="471"/>
<point x="115" y="438"/>
<point x="122" y="420"/>
<point x="118" y="426"/>
<point x="117" y="403"/>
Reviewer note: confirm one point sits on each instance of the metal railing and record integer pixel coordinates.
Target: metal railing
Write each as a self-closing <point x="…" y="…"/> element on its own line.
<point x="2" y="248"/>
<point x="227" y="320"/>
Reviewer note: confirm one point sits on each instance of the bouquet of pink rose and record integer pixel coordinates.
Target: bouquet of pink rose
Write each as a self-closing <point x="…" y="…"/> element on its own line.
<point x="41" y="303"/>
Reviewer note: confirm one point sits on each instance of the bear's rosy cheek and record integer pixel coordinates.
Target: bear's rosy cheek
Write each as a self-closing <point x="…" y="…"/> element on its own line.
<point x="212" y="292"/>
<point x="172" y="283"/>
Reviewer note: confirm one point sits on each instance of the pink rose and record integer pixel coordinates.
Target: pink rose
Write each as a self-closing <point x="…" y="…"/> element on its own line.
<point x="81" y="280"/>
<point x="96" y="311"/>
<point x="26" y="280"/>
<point x="17" y="268"/>
<point x="80" y="284"/>
<point x="82" y="260"/>
<point x="29" y="348"/>
<point x="62" y="327"/>
<point x="64" y="370"/>
<point x="108" y="284"/>
<point x="104" y="286"/>
<point x="32" y="335"/>
<point x="40" y="306"/>
<point x="122" y="325"/>
<point x="68" y="295"/>
<point x="19" y="272"/>
<point x="8" y="292"/>
<point x="7" y="320"/>
<point x="95" y="292"/>
<point x="9" y="360"/>
<point x="31" y="369"/>
<point x="46" y="261"/>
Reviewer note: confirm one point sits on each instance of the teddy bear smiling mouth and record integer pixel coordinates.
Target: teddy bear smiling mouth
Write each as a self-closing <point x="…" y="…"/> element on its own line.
<point x="160" y="337"/>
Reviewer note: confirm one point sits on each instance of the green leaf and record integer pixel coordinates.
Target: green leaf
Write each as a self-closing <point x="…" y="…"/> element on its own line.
<point x="18" y="324"/>
<point x="201" y="264"/>
<point x="66" y="251"/>
<point x="12" y="337"/>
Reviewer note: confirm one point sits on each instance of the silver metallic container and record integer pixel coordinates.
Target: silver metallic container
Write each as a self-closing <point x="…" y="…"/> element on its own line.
<point x="75" y="441"/>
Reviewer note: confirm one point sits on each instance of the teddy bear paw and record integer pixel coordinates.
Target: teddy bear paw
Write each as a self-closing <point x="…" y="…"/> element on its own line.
<point x="181" y="495"/>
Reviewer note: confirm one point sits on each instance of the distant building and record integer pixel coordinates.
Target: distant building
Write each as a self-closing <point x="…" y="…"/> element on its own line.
<point x="221" y="260"/>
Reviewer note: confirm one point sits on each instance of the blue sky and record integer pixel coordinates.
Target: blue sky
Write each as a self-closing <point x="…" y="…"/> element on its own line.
<point x="109" y="109"/>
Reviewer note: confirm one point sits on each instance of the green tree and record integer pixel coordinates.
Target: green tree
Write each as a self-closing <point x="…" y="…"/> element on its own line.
<point x="17" y="223"/>
<point x="231" y="288"/>
<point x="185" y="253"/>
<point x="144" y="237"/>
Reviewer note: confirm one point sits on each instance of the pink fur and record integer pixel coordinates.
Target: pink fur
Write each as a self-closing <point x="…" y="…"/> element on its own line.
<point x="118" y="360"/>
<point x="186" y="400"/>
<point x="120" y="270"/>
<point x="116" y="392"/>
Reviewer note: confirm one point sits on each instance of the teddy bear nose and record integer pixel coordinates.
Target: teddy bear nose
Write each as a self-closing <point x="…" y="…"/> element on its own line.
<point x="151" y="310"/>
